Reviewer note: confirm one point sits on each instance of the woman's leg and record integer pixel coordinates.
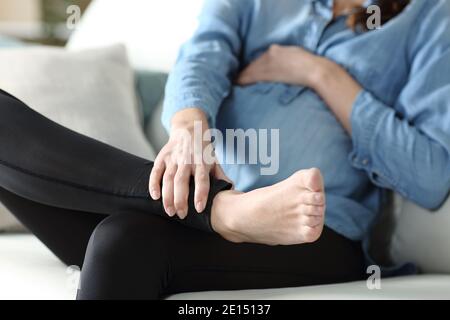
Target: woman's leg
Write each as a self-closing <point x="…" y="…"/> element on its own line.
<point x="136" y="256"/>
<point x="65" y="232"/>
<point x="52" y="165"/>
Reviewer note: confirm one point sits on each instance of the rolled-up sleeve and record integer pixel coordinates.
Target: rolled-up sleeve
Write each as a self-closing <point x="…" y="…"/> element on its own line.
<point x="409" y="151"/>
<point x="208" y="62"/>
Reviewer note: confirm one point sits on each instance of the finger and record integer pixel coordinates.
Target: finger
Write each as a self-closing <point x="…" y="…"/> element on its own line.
<point x="181" y="190"/>
<point x="313" y="198"/>
<point x="312" y="210"/>
<point x="201" y="188"/>
<point x="244" y="78"/>
<point x="155" y="179"/>
<point x="167" y="189"/>
<point x="252" y="74"/>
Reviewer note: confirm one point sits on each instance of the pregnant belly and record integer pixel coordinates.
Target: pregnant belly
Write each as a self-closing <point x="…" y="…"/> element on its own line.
<point x="309" y="136"/>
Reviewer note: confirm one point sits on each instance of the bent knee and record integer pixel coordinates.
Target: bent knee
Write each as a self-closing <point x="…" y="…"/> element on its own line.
<point x="128" y="233"/>
<point x="126" y="259"/>
<point x="9" y="104"/>
<point x="14" y="115"/>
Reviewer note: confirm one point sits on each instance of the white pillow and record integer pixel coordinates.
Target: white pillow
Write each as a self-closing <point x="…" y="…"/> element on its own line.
<point x="152" y="30"/>
<point x="422" y="237"/>
<point x="91" y="92"/>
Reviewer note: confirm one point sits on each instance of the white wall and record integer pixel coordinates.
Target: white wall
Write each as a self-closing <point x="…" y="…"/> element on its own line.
<point x="152" y="30"/>
<point x="20" y="10"/>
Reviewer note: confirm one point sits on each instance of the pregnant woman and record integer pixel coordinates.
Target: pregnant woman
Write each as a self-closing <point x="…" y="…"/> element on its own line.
<point x="356" y="110"/>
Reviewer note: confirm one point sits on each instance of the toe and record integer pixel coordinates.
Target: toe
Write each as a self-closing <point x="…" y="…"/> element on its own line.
<point x="312" y="198"/>
<point x="312" y="234"/>
<point x="311" y="221"/>
<point x="313" y="210"/>
<point x="311" y="180"/>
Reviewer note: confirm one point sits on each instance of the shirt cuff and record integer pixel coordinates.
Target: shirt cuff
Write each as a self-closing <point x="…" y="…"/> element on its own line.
<point x="367" y="114"/>
<point x="185" y="101"/>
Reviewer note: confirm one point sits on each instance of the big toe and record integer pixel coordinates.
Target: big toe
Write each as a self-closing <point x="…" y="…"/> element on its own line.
<point x="312" y="180"/>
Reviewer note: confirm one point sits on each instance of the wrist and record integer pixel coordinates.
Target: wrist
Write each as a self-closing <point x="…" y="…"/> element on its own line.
<point x="324" y="72"/>
<point x="186" y="119"/>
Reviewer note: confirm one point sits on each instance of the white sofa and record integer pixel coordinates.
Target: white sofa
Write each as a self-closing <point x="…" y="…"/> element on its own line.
<point x="152" y="32"/>
<point x="28" y="270"/>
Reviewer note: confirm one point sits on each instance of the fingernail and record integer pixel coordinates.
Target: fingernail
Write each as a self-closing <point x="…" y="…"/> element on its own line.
<point x="171" y="211"/>
<point x="183" y="214"/>
<point x="199" y="206"/>
<point x="155" y="194"/>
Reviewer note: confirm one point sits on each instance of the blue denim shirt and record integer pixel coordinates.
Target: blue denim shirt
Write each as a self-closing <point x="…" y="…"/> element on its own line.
<point x="400" y="121"/>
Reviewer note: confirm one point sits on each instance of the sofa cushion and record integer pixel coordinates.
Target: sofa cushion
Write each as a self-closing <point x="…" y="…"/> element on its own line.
<point x="91" y="92"/>
<point x="422" y="237"/>
<point x="154" y="129"/>
<point x="28" y="270"/>
<point x="421" y="287"/>
<point x="150" y="90"/>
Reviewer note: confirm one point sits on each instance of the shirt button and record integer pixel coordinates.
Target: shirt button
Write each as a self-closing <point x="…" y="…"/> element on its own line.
<point x="365" y="162"/>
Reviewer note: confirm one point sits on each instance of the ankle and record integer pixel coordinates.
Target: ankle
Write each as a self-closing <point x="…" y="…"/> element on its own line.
<point x="224" y="216"/>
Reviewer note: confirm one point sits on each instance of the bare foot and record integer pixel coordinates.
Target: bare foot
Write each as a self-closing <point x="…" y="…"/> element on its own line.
<point x="289" y="212"/>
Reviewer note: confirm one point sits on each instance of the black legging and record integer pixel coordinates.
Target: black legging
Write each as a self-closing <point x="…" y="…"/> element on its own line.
<point x="89" y="203"/>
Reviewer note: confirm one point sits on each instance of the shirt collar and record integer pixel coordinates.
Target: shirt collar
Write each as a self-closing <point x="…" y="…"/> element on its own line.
<point x="330" y="3"/>
<point x="327" y="3"/>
